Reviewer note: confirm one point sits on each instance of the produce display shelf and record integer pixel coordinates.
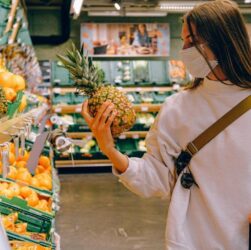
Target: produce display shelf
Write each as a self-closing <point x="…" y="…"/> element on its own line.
<point x="83" y="163"/>
<point x="123" y="89"/>
<point x="129" y="134"/>
<point x="68" y="109"/>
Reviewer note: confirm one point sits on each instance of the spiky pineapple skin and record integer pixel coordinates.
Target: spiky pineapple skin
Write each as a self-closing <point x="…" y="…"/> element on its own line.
<point x="3" y="103"/>
<point x="126" y="115"/>
<point x="88" y="80"/>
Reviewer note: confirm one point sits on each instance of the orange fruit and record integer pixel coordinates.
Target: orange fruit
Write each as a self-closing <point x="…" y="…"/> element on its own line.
<point x="40" y="169"/>
<point x="10" y="94"/>
<point x="18" y="82"/>
<point x="23" y="104"/>
<point x="42" y="205"/>
<point x="21" y="164"/>
<point x="12" y="173"/>
<point x="6" y="79"/>
<point x="25" y="157"/>
<point x="25" y="192"/>
<point x="12" y="148"/>
<point x="20" y="228"/>
<point x="15" y="188"/>
<point x="3" y="186"/>
<point x="44" y="161"/>
<point x="32" y="200"/>
<point x="24" y="176"/>
<point x="35" y="182"/>
<point x="45" y="181"/>
<point x="12" y="158"/>
<point x="8" y="193"/>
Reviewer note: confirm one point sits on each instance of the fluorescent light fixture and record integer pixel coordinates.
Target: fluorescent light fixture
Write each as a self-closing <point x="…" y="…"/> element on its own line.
<point x="103" y="13"/>
<point x="147" y="14"/>
<point x="247" y="1"/>
<point x="181" y="6"/>
<point x="76" y="6"/>
<point x="117" y="6"/>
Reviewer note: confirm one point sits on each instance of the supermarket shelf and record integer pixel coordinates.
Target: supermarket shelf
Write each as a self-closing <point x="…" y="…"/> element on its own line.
<point x="123" y="89"/>
<point x="68" y="109"/>
<point x="130" y="134"/>
<point x="83" y="163"/>
<point x="145" y="107"/>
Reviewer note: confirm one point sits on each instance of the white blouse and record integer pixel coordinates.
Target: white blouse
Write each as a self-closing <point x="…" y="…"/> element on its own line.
<point x="215" y="215"/>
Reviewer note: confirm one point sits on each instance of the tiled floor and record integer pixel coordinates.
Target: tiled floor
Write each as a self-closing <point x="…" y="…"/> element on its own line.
<point x="98" y="213"/>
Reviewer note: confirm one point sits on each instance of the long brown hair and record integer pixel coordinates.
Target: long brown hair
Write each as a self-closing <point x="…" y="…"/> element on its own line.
<point x="222" y="26"/>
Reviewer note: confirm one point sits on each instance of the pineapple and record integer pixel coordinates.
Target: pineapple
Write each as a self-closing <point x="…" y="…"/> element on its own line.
<point x="3" y="103"/>
<point x="89" y="80"/>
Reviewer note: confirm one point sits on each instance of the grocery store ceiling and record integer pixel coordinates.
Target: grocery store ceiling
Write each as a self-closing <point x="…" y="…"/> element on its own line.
<point x="108" y="5"/>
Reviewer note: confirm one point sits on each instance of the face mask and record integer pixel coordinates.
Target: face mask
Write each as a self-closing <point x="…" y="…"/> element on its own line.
<point x="195" y="62"/>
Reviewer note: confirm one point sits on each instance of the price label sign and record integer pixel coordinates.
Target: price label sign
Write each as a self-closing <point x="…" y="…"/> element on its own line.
<point x="136" y="136"/>
<point x="57" y="90"/>
<point x="78" y="109"/>
<point x="4" y="243"/>
<point x="58" y="110"/>
<point x="144" y="108"/>
<point x="122" y="137"/>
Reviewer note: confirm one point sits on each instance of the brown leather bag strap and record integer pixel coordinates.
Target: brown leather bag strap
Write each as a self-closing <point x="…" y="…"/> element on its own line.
<point x="211" y="132"/>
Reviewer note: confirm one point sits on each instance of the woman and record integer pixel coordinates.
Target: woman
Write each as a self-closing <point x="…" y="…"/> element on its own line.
<point x="214" y="213"/>
<point x="141" y="37"/>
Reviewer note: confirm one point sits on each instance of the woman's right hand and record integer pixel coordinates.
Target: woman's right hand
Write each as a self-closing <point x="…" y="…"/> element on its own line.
<point x="100" y="125"/>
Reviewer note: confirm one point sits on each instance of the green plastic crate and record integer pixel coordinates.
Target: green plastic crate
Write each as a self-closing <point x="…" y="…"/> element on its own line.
<point x="37" y="221"/>
<point x="14" y="236"/>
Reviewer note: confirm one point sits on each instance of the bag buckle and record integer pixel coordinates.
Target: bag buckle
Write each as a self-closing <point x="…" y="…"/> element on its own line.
<point x="182" y="161"/>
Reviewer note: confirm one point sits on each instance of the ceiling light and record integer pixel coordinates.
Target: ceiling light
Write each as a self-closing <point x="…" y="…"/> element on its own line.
<point x="117" y="6"/>
<point x="76" y="6"/>
<point x="181" y="6"/>
<point x="247" y="1"/>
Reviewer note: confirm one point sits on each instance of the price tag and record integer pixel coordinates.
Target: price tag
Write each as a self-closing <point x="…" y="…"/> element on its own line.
<point x="46" y="64"/>
<point x="58" y="110"/>
<point x="156" y="89"/>
<point x="122" y="136"/>
<point x="4" y="242"/>
<point x="138" y="89"/>
<point x="120" y="88"/>
<point x="57" y="241"/>
<point x="5" y="162"/>
<point x="36" y="151"/>
<point x="144" y="108"/>
<point x="16" y="144"/>
<point x="78" y="109"/>
<point x="136" y="136"/>
<point x="176" y="87"/>
<point x="57" y="81"/>
<point x="57" y="90"/>
<point x="22" y="139"/>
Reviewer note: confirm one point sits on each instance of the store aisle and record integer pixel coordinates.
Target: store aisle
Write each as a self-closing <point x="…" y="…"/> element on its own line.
<point x="98" y="213"/>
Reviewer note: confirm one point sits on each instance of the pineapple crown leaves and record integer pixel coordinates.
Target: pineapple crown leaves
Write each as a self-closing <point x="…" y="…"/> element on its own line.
<point x="86" y="75"/>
